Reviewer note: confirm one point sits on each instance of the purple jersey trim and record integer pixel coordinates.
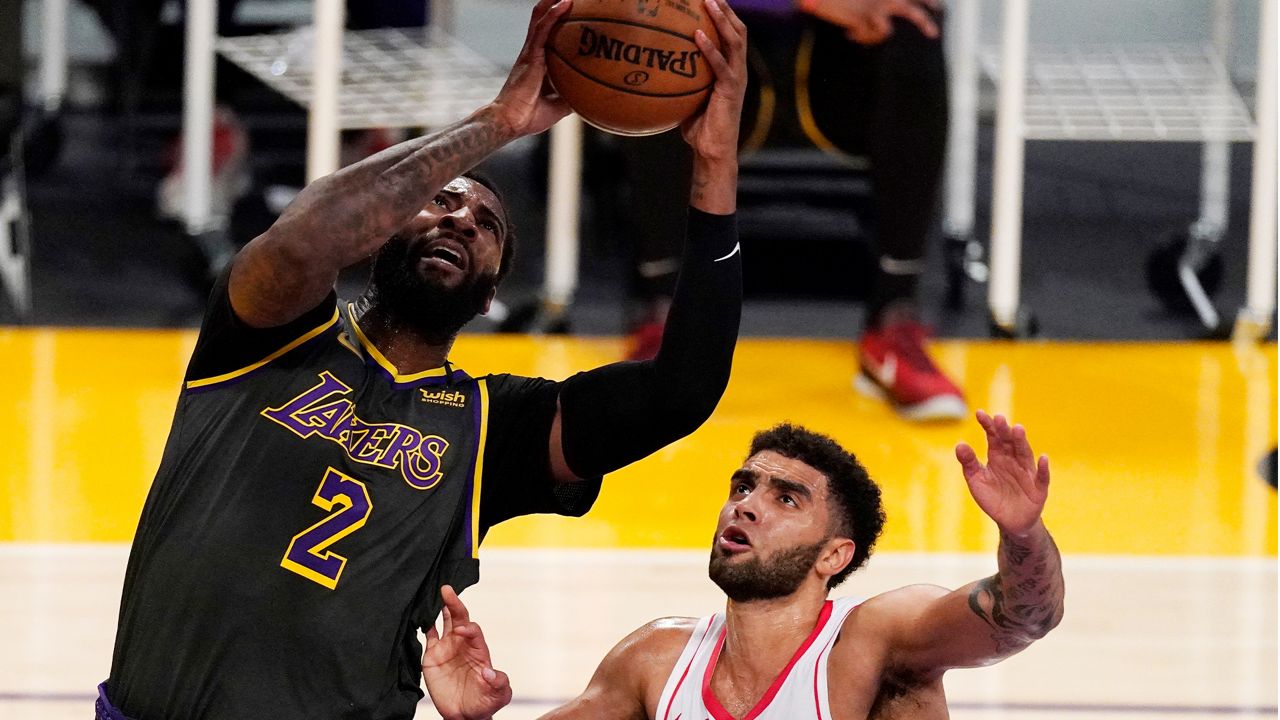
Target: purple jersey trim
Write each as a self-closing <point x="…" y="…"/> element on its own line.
<point x="772" y="7"/>
<point x="103" y="709"/>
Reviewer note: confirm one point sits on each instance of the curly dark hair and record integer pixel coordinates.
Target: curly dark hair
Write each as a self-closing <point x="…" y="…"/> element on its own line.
<point x="857" y="512"/>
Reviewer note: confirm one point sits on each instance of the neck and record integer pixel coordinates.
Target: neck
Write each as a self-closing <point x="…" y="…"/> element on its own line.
<point x="405" y="346"/>
<point x="761" y="636"/>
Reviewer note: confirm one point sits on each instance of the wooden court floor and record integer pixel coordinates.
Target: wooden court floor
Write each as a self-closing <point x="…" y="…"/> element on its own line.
<point x="1169" y="535"/>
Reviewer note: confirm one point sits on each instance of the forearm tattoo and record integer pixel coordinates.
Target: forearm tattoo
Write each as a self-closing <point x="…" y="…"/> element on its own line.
<point x="1025" y="597"/>
<point x="401" y="190"/>
<point x="353" y="211"/>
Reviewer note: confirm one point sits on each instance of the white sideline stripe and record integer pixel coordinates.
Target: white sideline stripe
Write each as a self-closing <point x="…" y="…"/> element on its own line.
<point x="681" y="556"/>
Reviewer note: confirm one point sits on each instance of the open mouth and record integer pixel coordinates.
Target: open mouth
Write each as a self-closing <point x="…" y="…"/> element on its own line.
<point x="445" y="253"/>
<point x="734" y="540"/>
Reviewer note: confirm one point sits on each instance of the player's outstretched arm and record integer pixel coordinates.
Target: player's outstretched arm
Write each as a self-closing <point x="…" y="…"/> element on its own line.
<point x="617" y="414"/>
<point x="995" y="617"/>
<point x="713" y="133"/>
<point x="344" y="217"/>
<point x="457" y="669"/>
<point x="627" y="682"/>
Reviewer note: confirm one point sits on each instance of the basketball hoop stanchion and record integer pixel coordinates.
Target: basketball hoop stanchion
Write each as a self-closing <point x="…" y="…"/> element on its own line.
<point x="564" y="188"/>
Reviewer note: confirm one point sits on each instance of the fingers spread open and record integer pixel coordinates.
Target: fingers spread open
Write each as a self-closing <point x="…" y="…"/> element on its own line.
<point x="969" y="462"/>
<point x="1022" y="447"/>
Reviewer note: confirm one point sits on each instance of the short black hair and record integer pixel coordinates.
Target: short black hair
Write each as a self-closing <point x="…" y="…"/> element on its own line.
<point x="508" y="241"/>
<point x="857" y="511"/>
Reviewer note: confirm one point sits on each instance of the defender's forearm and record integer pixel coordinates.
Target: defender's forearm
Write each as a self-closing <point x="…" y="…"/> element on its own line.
<point x="1024" y="600"/>
<point x="344" y="217"/>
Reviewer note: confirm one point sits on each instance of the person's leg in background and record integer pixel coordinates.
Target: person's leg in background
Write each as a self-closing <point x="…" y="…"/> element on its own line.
<point x="889" y="100"/>
<point x="11" y="71"/>
<point x="657" y="171"/>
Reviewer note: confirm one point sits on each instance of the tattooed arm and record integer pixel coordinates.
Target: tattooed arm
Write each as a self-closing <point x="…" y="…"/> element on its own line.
<point x="928" y="629"/>
<point x="345" y="217"/>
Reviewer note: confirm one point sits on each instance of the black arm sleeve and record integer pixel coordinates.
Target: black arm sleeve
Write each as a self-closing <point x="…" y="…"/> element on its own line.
<point x="619" y="413"/>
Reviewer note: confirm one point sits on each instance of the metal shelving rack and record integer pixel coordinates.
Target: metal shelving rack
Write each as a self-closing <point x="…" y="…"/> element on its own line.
<point x="371" y="78"/>
<point x="1133" y="92"/>
<point x="392" y="78"/>
<point x="1152" y="92"/>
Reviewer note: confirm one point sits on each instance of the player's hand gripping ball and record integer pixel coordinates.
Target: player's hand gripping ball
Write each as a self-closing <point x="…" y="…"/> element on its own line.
<point x="631" y="67"/>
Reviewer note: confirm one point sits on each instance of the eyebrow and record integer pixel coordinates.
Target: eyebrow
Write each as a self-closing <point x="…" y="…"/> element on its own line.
<point x="790" y="486"/>
<point x="485" y="210"/>
<point x="777" y="481"/>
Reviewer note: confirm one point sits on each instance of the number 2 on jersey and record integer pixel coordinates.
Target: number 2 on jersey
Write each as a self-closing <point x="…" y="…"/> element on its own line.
<point x="347" y="501"/>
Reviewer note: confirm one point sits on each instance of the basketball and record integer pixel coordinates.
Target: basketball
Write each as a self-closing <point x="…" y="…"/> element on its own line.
<point x="631" y="67"/>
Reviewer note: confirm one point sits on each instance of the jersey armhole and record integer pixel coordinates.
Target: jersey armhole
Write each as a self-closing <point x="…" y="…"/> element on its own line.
<point x="210" y="382"/>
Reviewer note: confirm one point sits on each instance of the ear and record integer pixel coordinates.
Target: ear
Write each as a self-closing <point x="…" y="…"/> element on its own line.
<point x="488" y="300"/>
<point x="836" y="557"/>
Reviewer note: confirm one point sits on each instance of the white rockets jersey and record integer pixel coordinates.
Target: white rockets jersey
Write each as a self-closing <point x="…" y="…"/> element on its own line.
<point x="798" y="693"/>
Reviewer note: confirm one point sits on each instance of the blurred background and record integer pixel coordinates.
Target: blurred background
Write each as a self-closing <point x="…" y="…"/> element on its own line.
<point x="1095" y="213"/>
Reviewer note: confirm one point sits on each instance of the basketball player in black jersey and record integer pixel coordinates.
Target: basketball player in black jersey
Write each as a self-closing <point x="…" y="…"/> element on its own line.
<point x="328" y="469"/>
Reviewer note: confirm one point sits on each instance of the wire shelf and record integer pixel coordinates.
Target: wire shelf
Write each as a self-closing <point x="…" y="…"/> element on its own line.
<point x="393" y="77"/>
<point x="1139" y="91"/>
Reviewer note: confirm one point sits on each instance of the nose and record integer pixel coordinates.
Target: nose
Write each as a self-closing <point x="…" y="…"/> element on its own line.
<point x="460" y="221"/>
<point x="745" y="509"/>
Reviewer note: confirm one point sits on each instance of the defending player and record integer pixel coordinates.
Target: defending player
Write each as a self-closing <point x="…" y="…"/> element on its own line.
<point x="328" y="469"/>
<point x="802" y="514"/>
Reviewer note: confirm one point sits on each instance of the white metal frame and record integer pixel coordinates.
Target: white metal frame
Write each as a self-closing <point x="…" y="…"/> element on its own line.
<point x="1255" y="318"/>
<point x="324" y="129"/>
<point x="1011" y="133"/>
<point x="53" y="55"/>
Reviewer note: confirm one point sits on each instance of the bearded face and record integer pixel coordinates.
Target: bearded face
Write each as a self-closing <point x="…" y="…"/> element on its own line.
<point x="441" y="269"/>
<point x="744" y="579"/>
<point x="417" y="295"/>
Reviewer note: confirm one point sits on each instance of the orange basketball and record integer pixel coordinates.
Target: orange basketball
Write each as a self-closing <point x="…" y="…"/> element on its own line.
<point x="631" y="67"/>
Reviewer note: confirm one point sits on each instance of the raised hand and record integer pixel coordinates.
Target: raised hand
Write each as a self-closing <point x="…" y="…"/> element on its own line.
<point x="1013" y="486"/>
<point x="457" y="669"/>
<point x="526" y="103"/>
<point x="713" y="133"/>
<point x="870" y="22"/>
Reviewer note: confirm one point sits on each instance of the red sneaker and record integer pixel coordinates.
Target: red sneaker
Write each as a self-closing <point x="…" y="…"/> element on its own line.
<point x="645" y="340"/>
<point x="896" y="368"/>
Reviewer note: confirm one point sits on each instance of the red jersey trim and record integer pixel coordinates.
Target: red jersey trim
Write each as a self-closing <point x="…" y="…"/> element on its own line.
<point x="817" y="665"/>
<point x="675" y="693"/>
<point x="713" y="705"/>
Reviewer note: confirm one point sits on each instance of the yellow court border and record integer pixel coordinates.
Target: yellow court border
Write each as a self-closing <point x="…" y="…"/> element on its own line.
<point x="1154" y="447"/>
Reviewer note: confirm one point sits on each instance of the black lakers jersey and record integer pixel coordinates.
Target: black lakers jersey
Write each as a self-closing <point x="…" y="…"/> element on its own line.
<point x="309" y="505"/>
